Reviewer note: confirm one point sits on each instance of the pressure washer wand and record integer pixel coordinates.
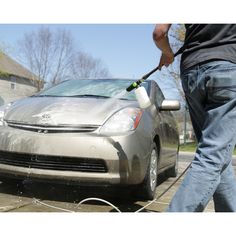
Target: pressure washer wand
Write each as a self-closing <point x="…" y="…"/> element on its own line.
<point x="138" y="82"/>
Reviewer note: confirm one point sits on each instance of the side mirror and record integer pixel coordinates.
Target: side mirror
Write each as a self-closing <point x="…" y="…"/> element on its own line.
<point x="169" y="105"/>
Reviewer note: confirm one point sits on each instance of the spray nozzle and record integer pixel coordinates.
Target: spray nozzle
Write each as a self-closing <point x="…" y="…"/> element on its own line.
<point x="136" y="84"/>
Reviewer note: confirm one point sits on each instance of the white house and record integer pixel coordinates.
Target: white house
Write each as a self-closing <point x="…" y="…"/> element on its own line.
<point x="15" y="81"/>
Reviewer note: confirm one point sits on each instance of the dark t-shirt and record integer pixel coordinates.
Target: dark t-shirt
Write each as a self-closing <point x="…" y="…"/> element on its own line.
<point x="204" y="42"/>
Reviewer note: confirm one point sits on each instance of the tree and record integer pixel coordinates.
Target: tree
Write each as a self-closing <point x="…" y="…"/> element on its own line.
<point x="170" y="79"/>
<point x="171" y="75"/>
<point x="64" y="53"/>
<point x="177" y="35"/>
<point x="5" y="48"/>
<point x="48" y="54"/>
<point x="85" y="66"/>
<point x="51" y="56"/>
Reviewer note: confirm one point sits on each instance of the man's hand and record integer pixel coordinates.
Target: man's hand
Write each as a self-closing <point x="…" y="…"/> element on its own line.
<point x="160" y="37"/>
<point x="166" y="60"/>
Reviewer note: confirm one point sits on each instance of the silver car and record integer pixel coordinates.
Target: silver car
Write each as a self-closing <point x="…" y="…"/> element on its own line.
<point x="90" y="132"/>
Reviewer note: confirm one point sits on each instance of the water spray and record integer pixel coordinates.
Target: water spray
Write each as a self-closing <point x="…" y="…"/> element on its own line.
<point x="140" y="92"/>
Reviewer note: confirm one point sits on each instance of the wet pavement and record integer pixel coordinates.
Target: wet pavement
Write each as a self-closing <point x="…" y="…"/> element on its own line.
<point x="29" y="196"/>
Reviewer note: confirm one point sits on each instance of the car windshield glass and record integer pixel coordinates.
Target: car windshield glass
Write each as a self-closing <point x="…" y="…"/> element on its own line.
<point x="92" y="88"/>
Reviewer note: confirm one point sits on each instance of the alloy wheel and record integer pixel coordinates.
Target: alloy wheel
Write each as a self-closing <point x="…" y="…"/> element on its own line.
<point x="153" y="170"/>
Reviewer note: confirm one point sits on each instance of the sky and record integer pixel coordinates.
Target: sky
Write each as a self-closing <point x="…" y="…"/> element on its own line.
<point x="127" y="50"/>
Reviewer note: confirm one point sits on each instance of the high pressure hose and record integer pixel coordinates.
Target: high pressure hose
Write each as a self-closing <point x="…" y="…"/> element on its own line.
<point x="107" y="202"/>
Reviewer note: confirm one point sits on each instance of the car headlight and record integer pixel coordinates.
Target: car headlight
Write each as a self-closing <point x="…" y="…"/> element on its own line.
<point x="124" y="120"/>
<point x="3" y="110"/>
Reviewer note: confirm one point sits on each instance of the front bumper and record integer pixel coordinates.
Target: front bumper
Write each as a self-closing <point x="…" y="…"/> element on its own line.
<point x="125" y="156"/>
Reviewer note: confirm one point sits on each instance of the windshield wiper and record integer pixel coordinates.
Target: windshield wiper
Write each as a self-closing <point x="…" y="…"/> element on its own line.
<point x="89" y="95"/>
<point x="77" y="96"/>
<point x="125" y="99"/>
<point x="45" y="95"/>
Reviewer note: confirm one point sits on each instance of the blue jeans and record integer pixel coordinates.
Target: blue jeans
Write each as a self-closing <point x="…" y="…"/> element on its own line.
<point x="210" y="91"/>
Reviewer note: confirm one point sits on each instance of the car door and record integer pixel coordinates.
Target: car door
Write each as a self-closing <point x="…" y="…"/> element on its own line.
<point x="162" y="127"/>
<point x="166" y="129"/>
<point x="172" y="138"/>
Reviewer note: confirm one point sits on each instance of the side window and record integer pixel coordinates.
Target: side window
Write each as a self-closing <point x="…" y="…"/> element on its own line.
<point x="159" y="97"/>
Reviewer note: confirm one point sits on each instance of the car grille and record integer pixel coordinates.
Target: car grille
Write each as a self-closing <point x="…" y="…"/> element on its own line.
<point x="54" y="129"/>
<point x="53" y="162"/>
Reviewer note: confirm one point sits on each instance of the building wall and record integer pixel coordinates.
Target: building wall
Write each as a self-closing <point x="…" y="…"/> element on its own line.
<point x="13" y="88"/>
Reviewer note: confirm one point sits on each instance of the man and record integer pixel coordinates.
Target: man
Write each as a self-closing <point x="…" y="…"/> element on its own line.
<point x="208" y="74"/>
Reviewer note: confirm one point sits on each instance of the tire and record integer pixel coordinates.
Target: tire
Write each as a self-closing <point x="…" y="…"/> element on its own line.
<point x="173" y="171"/>
<point x="148" y="186"/>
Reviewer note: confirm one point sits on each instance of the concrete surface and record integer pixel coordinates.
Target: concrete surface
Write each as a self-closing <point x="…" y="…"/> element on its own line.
<point x="30" y="196"/>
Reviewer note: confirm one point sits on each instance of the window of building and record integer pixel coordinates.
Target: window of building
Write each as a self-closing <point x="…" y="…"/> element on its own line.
<point x="13" y="86"/>
<point x="13" y="83"/>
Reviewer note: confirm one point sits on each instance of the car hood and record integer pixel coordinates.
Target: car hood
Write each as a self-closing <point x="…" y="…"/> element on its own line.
<point x="55" y="111"/>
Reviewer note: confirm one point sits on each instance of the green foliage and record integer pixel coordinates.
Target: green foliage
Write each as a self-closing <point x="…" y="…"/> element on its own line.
<point x="4" y="74"/>
<point x="191" y="147"/>
<point x="188" y="147"/>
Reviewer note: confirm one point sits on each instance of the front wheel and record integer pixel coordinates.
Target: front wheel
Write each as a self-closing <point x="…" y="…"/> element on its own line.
<point x="149" y="184"/>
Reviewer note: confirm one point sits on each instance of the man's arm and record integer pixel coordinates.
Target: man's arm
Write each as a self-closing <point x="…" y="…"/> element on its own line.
<point x="160" y="37"/>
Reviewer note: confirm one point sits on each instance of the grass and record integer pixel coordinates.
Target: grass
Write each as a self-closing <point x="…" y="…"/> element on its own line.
<point x="188" y="147"/>
<point x="191" y="147"/>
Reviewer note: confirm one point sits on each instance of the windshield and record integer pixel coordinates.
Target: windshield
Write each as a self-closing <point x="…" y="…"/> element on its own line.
<point x="92" y="88"/>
